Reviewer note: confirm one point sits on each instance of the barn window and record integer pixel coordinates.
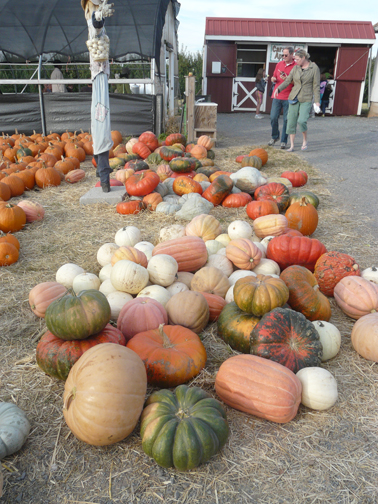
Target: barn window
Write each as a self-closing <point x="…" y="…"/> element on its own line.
<point x="249" y="59"/>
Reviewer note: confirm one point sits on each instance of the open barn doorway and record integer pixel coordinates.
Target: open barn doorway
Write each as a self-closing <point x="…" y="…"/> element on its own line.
<point x="324" y="57"/>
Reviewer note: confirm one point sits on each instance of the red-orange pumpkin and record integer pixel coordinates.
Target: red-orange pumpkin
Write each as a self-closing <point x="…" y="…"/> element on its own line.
<point x="298" y="178"/>
<point x="130" y="207"/>
<point x="142" y="183"/>
<point x="274" y="191"/>
<point x="218" y="190"/>
<point x="288" y="250"/>
<point x="260" y="208"/>
<point x="185" y="185"/>
<point x="237" y="200"/>
<point x="302" y="216"/>
<point x="331" y="267"/>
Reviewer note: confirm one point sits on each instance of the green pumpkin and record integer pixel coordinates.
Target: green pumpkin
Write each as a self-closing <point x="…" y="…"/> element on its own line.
<point x="253" y="161"/>
<point x="310" y="197"/>
<point x="168" y="153"/>
<point x="211" y="154"/>
<point x="235" y="327"/>
<point x="184" y="428"/>
<point x="182" y="164"/>
<point x="153" y="159"/>
<point x="78" y="317"/>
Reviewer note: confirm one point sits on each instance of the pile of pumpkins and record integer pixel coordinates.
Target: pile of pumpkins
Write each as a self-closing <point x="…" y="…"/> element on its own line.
<point x="268" y="294"/>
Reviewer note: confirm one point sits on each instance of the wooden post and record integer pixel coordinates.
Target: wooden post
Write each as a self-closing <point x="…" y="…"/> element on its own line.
<point x="190" y="100"/>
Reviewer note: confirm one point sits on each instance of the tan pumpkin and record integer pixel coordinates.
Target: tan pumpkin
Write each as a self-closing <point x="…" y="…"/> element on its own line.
<point x="205" y="141"/>
<point x="212" y="280"/>
<point x="365" y="336"/>
<point x="260" y="387"/>
<point x="104" y="394"/>
<point x="356" y="296"/>
<point x="216" y="305"/>
<point x="199" y="152"/>
<point x="131" y="254"/>
<point x="270" y="225"/>
<point x="189" y="309"/>
<point x="43" y="294"/>
<point x="243" y="253"/>
<point x="204" y="226"/>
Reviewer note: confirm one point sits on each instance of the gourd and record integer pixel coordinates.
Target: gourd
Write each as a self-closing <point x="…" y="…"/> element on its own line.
<point x="127" y="236"/>
<point x="365" y="336"/>
<point x="14" y="429"/>
<point x="85" y="281"/>
<point x="239" y="229"/>
<point x="129" y="277"/>
<point x="78" y="317"/>
<point x="183" y="428"/>
<point x="162" y="269"/>
<point x="104" y="394"/>
<point x="105" y="253"/>
<point x="319" y="388"/>
<point x="189" y="309"/>
<point x="117" y="301"/>
<point x="157" y="292"/>
<point x="172" y="354"/>
<point x="56" y="357"/>
<point x="141" y="314"/>
<point x="330" y="338"/>
<point x="259" y="387"/>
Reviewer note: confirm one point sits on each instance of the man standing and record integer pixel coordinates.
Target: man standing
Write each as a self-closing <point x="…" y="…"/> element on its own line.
<point x="283" y="68"/>
<point x="55" y="75"/>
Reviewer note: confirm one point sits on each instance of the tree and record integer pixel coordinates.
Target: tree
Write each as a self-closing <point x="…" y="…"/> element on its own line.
<point x="189" y="62"/>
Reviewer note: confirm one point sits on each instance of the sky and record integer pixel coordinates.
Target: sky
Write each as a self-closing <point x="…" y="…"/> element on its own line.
<point x="193" y="14"/>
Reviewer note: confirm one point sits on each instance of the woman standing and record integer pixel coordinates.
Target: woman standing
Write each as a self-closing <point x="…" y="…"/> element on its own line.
<point x="306" y="79"/>
<point x="260" y="88"/>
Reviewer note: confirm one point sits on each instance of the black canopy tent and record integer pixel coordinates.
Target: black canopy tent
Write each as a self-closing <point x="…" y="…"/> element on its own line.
<point x="33" y="30"/>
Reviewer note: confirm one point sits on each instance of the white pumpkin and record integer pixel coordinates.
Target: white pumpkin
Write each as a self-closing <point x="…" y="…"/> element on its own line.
<point x="224" y="239"/>
<point x="130" y="143"/>
<point x="240" y="274"/>
<point x="194" y="207"/>
<point x="127" y="236"/>
<point x="127" y="276"/>
<point x="156" y="292"/>
<point x="162" y="189"/>
<point x="105" y="272"/>
<point x="169" y="184"/>
<point x="248" y="179"/>
<point x="222" y="252"/>
<point x="229" y="297"/>
<point x="162" y="269"/>
<point x="105" y="252"/>
<point x="213" y="246"/>
<point x="172" y="232"/>
<point x="172" y="198"/>
<point x="66" y="274"/>
<point x="117" y="300"/>
<point x="261" y="246"/>
<point x="185" y="277"/>
<point x="267" y="267"/>
<point x="185" y="197"/>
<point x="265" y="241"/>
<point x="85" y="281"/>
<point x="319" y="388"/>
<point x="107" y="287"/>
<point x="167" y="208"/>
<point x="330" y="338"/>
<point x="146" y="247"/>
<point x="370" y="274"/>
<point x="239" y="229"/>
<point x="221" y="262"/>
<point x="14" y="429"/>
<point x="177" y="287"/>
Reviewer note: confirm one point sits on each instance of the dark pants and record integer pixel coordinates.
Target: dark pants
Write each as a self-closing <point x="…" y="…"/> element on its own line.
<point x="324" y="105"/>
<point x="277" y="106"/>
<point x="103" y="168"/>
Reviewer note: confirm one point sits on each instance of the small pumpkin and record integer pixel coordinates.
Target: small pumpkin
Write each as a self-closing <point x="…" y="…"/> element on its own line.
<point x="302" y="216"/>
<point x="260" y="208"/>
<point x="204" y="226"/>
<point x="189" y="309"/>
<point x="43" y="294"/>
<point x="14" y="429"/>
<point x="141" y="314"/>
<point x="183" y="428"/>
<point x="330" y="338"/>
<point x="237" y="200"/>
<point x="270" y="225"/>
<point x="276" y="192"/>
<point x="8" y="254"/>
<point x="130" y="207"/>
<point x="364" y="336"/>
<point x="319" y="388"/>
<point x="298" y="178"/>
<point x="243" y="253"/>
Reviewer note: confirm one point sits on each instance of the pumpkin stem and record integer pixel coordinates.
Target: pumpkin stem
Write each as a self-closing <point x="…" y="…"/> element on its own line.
<point x="166" y="341"/>
<point x="70" y="397"/>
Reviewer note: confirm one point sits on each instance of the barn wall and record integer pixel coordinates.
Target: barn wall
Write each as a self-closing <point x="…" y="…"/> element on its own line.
<point x="219" y="86"/>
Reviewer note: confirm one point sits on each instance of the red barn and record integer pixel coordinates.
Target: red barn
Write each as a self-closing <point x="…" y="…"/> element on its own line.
<point x="235" y="48"/>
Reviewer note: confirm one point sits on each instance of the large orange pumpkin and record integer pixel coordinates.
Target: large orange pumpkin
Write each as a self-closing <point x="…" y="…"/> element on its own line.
<point x="302" y="216"/>
<point x="189" y="251"/>
<point x="260" y="387"/>
<point x="261" y="153"/>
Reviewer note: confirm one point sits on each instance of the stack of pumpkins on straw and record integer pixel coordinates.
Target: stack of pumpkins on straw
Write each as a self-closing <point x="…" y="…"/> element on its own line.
<point x="265" y="284"/>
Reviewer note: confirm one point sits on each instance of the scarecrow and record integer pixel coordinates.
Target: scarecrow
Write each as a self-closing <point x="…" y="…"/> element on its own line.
<point x="98" y="45"/>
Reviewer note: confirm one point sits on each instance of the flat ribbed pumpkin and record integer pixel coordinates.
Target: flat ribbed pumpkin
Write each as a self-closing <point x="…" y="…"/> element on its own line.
<point x="259" y="387"/>
<point x="288" y="250"/>
<point x="172" y="354"/>
<point x="243" y="253"/>
<point x="205" y="226"/>
<point x="356" y="296"/>
<point x="189" y="251"/>
<point x="287" y="337"/>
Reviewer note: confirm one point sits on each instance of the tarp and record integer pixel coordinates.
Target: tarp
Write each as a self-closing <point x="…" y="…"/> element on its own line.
<point x="130" y="114"/>
<point x="30" y="28"/>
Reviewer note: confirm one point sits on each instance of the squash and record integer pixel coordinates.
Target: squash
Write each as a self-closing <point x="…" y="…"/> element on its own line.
<point x="204" y="226"/>
<point x="186" y="185"/>
<point x="319" y="388"/>
<point x="104" y="394"/>
<point x="116" y="300"/>
<point x="85" y="281"/>
<point x="295" y="250"/>
<point x="130" y="207"/>
<point x="234" y="326"/>
<point x="287" y="337"/>
<point x="56" y="357"/>
<point x="193" y="207"/>
<point x="14" y="429"/>
<point x="43" y="294"/>
<point x="356" y="296"/>
<point x="331" y="267"/>
<point x="266" y="266"/>
<point x="172" y="354"/>
<point x="141" y="314"/>
<point x="34" y="211"/>
<point x="243" y="253"/>
<point x="330" y="338"/>
<point x="302" y="216"/>
<point x="127" y="236"/>
<point x="305" y="296"/>
<point x="183" y="428"/>
<point x="218" y="190"/>
<point x="212" y="280"/>
<point x="364" y="336"/>
<point x="261" y="153"/>
<point x="259" y="387"/>
<point x="216" y="304"/>
<point x="270" y="225"/>
<point x="78" y="317"/>
<point x="189" y="309"/>
<point x="127" y="276"/>
<point x="142" y="183"/>
<point x="220" y="262"/>
<point x="260" y="294"/>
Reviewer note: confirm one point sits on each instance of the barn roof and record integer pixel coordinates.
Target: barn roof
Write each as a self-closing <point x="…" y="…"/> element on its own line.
<point x="31" y="28"/>
<point x="289" y="29"/>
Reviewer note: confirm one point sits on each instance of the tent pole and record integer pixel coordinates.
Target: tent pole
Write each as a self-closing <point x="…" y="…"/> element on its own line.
<point x="41" y="103"/>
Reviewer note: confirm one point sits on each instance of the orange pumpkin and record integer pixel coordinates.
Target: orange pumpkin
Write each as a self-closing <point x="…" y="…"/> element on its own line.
<point x="142" y="183"/>
<point x="206" y="141"/>
<point x="243" y="253"/>
<point x="141" y="149"/>
<point x="130" y="207"/>
<point x="237" y="200"/>
<point x="12" y="217"/>
<point x="189" y="251"/>
<point x="47" y="177"/>
<point x="152" y="200"/>
<point x="131" y="254"/>
<point x="216" y="304"/>
<point x="9" y="238"/>
<point x="8" y="254"/>
<point x="302" y="216"/>
<point x="185" y="185"/>
<point x="260" y="208"/>
<point x="16" y="185"/>
<point x="261" y="153"/>
<point x="199" y="152"/>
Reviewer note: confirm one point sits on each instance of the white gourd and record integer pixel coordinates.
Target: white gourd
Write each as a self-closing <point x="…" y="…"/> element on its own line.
<point x="157" y="292"/>
<point x="146" y="247"/>
<point x="162" y="269"/>
<point x="239" y="229"/>
<point x="66" y="274"/>
<point x="85" y="281"/>
<point x="267" y="267"/>
<point x="172" y="232"/>
<point x="127" y="276"/>
<point x="248" y="179"/>
<point x="370" y="274"/>
<point x="127" y="236"/>
<point x="221" y="262"/>
<point x="330" y="338"/>
<point x="319" y="388"/>
<point x="105" y="252"/>
<point x="117" y="300"/>
<point x="107" y="287"/>
<point x="105" y="272"/>
<point x="236" y="275"/>
<point x="177" y="287"/>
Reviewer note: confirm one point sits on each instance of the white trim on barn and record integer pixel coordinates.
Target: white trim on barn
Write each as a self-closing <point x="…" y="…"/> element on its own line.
<point x="310" y="41"/>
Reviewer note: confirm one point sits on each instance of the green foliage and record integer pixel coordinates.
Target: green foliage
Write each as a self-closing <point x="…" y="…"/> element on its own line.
<point x="366" y="90"/>
<point x="189" y="62"/>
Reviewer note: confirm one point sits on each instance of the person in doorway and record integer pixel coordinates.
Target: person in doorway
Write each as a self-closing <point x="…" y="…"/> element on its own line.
<point x="306" y="79"/>
<point x="282" y="70"/>
<point x="260" y="86"/>
<point x="325" y="100"/>
<point x="57" y="74"/>
<point x="95" y="13"/>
